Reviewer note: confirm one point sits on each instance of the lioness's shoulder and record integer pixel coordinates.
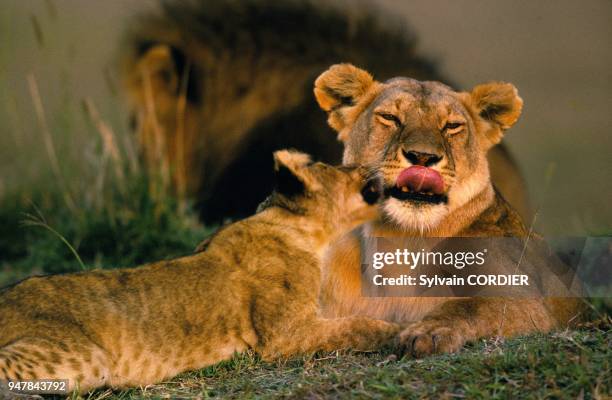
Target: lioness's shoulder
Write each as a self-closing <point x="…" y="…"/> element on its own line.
<point x="499" y="219"/>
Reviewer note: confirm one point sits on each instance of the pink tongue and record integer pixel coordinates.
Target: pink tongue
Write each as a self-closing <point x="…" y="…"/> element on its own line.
<point x="421" y="179"/>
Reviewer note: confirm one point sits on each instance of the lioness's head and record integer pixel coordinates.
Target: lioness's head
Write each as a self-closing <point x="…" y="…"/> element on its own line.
<point x="425" y="141"/>
<point x="338" y="198"/>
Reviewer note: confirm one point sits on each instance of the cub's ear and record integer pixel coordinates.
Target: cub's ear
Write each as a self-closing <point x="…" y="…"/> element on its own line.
<point x="339" y="88"/>
<point x="499" y="104"/>
<point x="290" y="175"/>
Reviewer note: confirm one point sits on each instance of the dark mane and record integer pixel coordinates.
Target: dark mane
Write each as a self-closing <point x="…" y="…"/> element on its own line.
<point x="300" y="31"/>
<point x="263" y="50"/>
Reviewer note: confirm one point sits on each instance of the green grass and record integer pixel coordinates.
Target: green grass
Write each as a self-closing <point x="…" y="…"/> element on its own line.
<point x="34" y="241"/>
<point x="569" y="364"/>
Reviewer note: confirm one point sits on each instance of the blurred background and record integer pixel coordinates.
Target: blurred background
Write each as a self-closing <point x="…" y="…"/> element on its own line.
<point x="60" y="97"/>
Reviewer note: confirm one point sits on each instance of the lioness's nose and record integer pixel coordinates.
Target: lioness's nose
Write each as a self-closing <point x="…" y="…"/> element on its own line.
<point x="418" y="158"/>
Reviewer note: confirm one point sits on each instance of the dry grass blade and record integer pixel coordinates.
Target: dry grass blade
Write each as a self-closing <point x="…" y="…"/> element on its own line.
<point x="109" y="81"/>
<point x="153" y="139"/>
<point x="180" y="168"/>
<point x="108" y="141"/>
<point x="48" y="139"/>
<point x="550" y="171"/>
<point x="40" y="39"/>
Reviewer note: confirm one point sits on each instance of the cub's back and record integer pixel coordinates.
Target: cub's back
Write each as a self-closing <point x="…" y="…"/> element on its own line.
<point x="93" y="299"/>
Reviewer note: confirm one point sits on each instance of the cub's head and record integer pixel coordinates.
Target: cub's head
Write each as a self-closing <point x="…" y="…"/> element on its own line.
<point x="337" y="198"/>
<point x="426" y="142"/>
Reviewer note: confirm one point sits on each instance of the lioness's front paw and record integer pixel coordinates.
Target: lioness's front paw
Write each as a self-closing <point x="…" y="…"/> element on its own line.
<point x="423" y="338"/>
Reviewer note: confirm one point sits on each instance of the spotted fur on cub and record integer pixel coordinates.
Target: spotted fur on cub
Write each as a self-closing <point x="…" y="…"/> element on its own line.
<point x="254" y="286"/>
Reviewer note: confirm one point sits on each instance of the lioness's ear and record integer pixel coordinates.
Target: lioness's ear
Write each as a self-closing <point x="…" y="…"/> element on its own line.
<point x="339" y="88"/>
<point x="499" y="104"/>
<point x="290" y="177"/>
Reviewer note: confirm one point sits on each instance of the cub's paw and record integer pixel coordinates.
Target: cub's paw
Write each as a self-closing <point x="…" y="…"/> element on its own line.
<point x="428" y="337"/>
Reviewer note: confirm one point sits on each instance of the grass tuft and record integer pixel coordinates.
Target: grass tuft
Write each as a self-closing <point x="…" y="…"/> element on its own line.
<point x="38" y="220"/>
<point x="564" y="365"/>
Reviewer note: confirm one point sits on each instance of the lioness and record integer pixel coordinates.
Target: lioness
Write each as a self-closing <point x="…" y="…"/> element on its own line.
<point x="254" y="286"/>
<point x="428" y="144"/>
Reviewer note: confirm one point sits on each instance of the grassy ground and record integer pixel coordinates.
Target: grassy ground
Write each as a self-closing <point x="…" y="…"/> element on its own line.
<point x="569" y="364"/>
<point x="128" y="231"/>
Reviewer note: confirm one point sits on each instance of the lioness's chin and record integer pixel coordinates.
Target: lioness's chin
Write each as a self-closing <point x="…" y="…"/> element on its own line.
<point x="415" y="216"/>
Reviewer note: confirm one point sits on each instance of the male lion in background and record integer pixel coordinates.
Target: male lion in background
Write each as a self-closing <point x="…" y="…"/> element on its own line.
<point x="427" y="144"/>
<point x="216" y="86"/>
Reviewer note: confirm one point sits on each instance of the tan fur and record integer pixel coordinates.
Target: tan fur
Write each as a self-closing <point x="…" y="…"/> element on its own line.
<point x="173" y="135"/>
<point x="213" y="89"/>
<point x="376" y="124"/>
<point x="255" y="286"/>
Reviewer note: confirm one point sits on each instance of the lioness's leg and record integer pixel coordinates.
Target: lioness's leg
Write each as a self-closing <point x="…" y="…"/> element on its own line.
<point x="82" y="363"/>
<point x="358" y="333"/>
<point x="452" y="324"/>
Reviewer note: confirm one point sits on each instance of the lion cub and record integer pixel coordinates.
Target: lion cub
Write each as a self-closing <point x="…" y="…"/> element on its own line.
<point x="255" y="286"/>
